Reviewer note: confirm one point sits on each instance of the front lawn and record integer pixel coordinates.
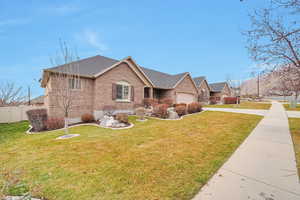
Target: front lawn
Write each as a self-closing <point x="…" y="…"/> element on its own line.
<point x="243" y="105"/>
<point x="153" y="160"/>
<point x="295" y="131"/>
<point x="287" y="107"/>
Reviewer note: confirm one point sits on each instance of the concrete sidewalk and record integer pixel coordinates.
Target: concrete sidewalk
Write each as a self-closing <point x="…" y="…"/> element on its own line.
<point x="243" y="111"/>
<point x="262" y="168"/>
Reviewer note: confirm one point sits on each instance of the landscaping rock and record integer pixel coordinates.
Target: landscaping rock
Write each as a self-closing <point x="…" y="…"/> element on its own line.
<point x="171" y="109"/>
<point x="108" y="121"/>
<point x="172" y="115"/>
<point x="149" y="111"/>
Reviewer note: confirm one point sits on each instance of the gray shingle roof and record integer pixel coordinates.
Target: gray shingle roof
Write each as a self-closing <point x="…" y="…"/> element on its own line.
<point x="86" y="67"/>
<point x="162" y="80"/>
<point x="198" y="80"/>
<point x="91" y="66"/>
<point x="217" y="87"/>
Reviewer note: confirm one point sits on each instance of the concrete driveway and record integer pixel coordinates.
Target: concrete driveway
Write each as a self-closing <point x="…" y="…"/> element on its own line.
<point x="262" y="168"/>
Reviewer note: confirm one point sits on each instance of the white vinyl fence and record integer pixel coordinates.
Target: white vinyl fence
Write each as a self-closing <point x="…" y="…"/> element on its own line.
<point x="15" y="113"/>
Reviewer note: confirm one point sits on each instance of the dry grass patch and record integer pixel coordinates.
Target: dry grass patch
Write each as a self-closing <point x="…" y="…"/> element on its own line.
<point x="287" y="107"/>
<point x="295" y="131"/>
<point x="153" y="160"/>
<point x="243" y="105"/>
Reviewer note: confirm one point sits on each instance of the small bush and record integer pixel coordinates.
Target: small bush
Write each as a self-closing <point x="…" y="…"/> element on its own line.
<point x="122" y="117"/>
<point x="180" y="104"/>
<point x="180" y="109"/>
<point x="194" y="107"/>
<point x="167" y="101"/>
<point x="140" y="112"/>
<point x="109" y="110"/>
<point x="147" y="102"/>
<point x="231" y="100"/>
<point x="37" y="119"/>
<point x="55" y="123"/>
<point x="160" y="110"/>
<point x="87" y="118"/>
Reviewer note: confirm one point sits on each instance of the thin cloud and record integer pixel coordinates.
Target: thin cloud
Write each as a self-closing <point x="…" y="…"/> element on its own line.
<point x="92" y="38"/>
<point x="63" y="9"/>
<point x="9" y="22"/>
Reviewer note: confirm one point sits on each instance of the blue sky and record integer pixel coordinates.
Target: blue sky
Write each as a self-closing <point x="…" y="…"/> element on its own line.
<point x="201" y="37"/>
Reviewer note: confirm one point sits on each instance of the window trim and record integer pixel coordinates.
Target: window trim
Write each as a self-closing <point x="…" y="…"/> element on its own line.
<point x="123" y="84"/>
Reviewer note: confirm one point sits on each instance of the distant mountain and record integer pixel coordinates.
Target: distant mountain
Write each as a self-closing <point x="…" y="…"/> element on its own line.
<point x="267" y="84"/>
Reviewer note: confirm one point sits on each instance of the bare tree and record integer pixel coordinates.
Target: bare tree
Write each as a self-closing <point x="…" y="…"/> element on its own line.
<point x="292" y="4"/>
<point x="67" y="81"/>
<point x="10" y="94"/>
<point x="289" y="79"/>
<point x="272" y="42"/>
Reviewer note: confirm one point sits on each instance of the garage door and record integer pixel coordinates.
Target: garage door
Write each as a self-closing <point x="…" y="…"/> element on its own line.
<point x="185" y="98"/>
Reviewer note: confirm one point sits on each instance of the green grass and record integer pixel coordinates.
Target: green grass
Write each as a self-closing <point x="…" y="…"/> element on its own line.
<point x="243" y="105"/>
<point x="295" y="131"/>
<point x="12" y="131"/>
<point x="287" y="107"/>
<point x="153" y="160"/>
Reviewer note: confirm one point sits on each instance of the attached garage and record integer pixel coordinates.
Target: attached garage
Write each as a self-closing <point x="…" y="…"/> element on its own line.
<point x="185" y="98"/>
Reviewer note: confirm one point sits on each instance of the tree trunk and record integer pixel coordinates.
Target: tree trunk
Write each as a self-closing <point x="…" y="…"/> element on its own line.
<point x="66" y="123"/>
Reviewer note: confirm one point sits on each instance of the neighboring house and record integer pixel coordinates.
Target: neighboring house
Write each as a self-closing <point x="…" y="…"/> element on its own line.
<point x="203" y="89"/>
<point x="220" y="90"/>
<point x="38" y="101"/>
<point x="119" y="83"/>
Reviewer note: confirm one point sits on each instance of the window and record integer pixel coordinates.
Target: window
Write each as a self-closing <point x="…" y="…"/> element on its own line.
<point x="74" y="83"/>
<point x="123" y="91"/>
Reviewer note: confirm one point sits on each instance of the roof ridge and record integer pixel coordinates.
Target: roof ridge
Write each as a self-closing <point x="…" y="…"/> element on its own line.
<point x="155" y="70"/>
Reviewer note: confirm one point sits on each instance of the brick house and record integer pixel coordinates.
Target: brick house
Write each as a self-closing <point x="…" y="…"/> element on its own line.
<point x="121" y="83"/>
<point x="220" y="90"/>
<point x="203" y="89"/>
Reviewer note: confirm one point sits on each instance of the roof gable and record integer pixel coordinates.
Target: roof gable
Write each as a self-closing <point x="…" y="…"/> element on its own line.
<point x="93" y="67"/>
<point x="217" y="87"/>
<point x="162" y="80"/>
<point x="187" y="75"/>
<point x="199" y="80"/>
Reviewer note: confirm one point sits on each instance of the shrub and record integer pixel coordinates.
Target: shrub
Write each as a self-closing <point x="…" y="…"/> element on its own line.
<point x="180" y="109"/>
<point x="161" y="110"/>
<point x="231" y="100"/>
<point x="37" y="119"/>
<point x="122" y="117"/>
<point x="140" y="112"/>
<point x="109" y="110"/>
<point x="180" y="104"/>
<point x="167" y="101"/>
<point x="55" y="123"/>
<point x="194" y="107"/>
<point x="87" y="118"/>
<point x="147" y="102"/>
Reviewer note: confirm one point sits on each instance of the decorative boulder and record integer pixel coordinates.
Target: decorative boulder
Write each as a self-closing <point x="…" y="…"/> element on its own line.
<point x="149" y="111"/>
<point x="171" y="109"/>
<point x="172" y="114"/>
<point x="108" y="121"/>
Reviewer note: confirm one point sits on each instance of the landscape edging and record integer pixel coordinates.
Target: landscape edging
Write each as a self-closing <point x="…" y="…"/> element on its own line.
<point x="84" y="124"/>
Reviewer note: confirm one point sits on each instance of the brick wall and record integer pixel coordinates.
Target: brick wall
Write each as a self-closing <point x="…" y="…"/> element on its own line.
<point x="82" y="99"/>
<point x="185" y="86"/>
<point x="203" y="92"/>
<point x="103" y="88"/>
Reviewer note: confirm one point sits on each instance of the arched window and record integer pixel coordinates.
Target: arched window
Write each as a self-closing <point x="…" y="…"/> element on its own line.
<point x="123" y="91"/>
